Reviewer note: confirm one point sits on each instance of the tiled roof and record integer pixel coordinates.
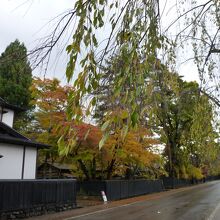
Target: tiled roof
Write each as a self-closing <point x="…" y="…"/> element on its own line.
<point x="10" y="136"/>
<point x="5" y="104"/>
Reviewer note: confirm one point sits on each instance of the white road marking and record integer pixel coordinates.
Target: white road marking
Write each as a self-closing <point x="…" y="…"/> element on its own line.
<point x="212" y="216"/>
<point x="100" y="211"/>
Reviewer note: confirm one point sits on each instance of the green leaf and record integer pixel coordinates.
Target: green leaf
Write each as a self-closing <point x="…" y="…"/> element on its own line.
<point x="103" y="140"/>
<point x="121" y="154"/>
<point x="93" y="102"/>
<point x="94" y="40"/>
<point x="124" y="132"/>
<point x="134" y="118"/>
<point x="86" y="135"/>
<point x="69" y="48"/>
<point x="61" y="146"/>
<point x="105" y="125"/>
<point x="124" y="114"/>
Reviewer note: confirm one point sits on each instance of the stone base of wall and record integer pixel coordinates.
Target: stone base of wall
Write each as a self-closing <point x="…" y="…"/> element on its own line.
<point x="36" y="211"/>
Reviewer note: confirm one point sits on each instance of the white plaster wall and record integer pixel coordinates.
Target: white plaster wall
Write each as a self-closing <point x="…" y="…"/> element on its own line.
<point x="30" y="163"/>
<point x="11" y="162"/>
<point x="8" y="118"/>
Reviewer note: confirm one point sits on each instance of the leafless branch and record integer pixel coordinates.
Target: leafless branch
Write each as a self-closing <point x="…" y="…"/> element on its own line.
<point x="43" y="52"/>
<point x="211" y="49"/>
<point x="190" y="10"/>
<point x="212" y="98"/>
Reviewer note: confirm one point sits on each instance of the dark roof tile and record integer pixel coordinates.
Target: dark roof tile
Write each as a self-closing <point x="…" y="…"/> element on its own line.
<point x="5" y="104"/>
<point x="10" y="136"/>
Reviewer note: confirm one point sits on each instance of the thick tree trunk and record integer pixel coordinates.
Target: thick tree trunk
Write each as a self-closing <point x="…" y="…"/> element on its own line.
<point x="110" y="169"/>
<point x="172" y="157"/>
<point x="84" y="169"/>
<point x="93" y="169"/>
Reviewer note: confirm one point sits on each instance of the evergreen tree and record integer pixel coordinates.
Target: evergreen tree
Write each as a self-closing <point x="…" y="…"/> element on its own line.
<point x="15" y="75"/>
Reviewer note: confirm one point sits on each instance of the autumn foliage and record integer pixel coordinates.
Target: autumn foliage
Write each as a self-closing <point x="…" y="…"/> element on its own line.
<point x="77" y="143"/>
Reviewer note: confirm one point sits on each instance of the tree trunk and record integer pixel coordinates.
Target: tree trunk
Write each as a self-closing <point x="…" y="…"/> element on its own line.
<point x="84" y="169"/>
<point x="93" y="169"/>
<point x="110" y="169"/>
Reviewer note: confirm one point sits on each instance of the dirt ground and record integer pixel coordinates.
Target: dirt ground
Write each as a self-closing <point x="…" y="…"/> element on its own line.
<point x="87" y="201"/>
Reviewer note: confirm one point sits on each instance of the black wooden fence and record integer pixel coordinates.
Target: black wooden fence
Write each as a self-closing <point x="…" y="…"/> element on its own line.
<point x="91" y="188"/>
<point x="172" y="183"/>
<point x="212" y="178"/>
<point x="120" y="189"/>
<point x="31" y="194"/>
<point x="129" y="188"/>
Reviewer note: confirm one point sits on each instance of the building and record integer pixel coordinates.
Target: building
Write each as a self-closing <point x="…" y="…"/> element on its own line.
<point x="18" y="154"/>
<point x="54" y="170"/>
<point x="7" y="112"/>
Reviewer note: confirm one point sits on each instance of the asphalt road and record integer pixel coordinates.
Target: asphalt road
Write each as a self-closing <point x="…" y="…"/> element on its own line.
<point x="196" y="203"/>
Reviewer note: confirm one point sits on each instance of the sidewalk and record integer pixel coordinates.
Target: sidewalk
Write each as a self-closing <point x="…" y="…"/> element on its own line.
<point x="110" y="205"/>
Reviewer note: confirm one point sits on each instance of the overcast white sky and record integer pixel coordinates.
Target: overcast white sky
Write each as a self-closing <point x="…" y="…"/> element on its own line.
<point x="24" y="19"/>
